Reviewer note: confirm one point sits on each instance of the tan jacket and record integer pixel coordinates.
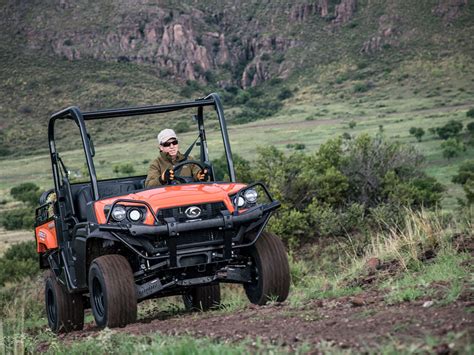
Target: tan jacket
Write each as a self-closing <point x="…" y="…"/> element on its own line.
<point x="163" y="162"/>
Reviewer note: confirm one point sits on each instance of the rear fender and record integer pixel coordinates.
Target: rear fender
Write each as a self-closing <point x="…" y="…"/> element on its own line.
<point x="46" y="238"/>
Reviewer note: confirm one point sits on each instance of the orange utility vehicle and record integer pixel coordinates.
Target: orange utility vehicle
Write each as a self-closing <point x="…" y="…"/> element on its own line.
<point x="109" y="244"/>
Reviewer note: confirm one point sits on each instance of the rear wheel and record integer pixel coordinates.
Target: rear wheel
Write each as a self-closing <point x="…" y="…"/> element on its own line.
<point x="203" y="298"/>
<point x="65" y="311"/>
<point x="271" y="278"/>
<point x="112" y="291"/>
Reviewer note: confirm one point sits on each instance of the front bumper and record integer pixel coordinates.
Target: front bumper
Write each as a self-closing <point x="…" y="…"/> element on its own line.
<point x="232" y="226"/>
<point x="172" y="229"/>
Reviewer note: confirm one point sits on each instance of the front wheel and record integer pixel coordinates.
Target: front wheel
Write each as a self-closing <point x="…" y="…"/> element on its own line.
<point x="271" y="274"/>
<point x="112" y="291"/>
<point x="65" y="311"/>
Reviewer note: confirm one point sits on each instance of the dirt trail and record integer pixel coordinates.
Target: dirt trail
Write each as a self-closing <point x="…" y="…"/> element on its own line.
<point x="359" y="323"/>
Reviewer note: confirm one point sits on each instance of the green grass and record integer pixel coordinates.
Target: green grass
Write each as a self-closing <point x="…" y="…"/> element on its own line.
<point x="446" y="271"/>
<point x="394" y="107"/>
<point x="112" y="342"/>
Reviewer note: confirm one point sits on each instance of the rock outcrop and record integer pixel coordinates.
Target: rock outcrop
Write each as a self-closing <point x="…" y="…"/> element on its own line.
<point x="449" y="10"/>
<point x="345" y="11"/>
<point x="387" y="35"/>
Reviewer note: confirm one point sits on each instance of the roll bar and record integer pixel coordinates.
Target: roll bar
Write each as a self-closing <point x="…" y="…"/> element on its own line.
<point x="79" y="118"/>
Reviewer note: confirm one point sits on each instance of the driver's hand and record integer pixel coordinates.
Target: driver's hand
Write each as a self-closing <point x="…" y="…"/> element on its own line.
<point x="202" y="175"/>
<point x="167" y="176"/>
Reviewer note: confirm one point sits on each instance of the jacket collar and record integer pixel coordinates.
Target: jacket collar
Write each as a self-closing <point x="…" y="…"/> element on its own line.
<point x="166" y="156"/>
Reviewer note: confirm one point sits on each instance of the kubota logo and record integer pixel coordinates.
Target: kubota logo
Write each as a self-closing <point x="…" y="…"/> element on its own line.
<point x="193" y="212"/>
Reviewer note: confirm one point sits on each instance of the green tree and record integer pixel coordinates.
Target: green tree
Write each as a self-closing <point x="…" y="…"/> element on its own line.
<point x="452" y="148"/>
<point x="449" y="130"/>
<point x="465" y="177"/>
<point x="417" y="132"/>
<point x="470" y="128"/>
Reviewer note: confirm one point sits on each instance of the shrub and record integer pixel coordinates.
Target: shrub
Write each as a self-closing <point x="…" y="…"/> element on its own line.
<point x="243" y="170"/>
<point x="470" y="127"/>
<point x="361" y="87"/>
<point x="26" y="192"/>
<point x="470" y="112"/>
<point x="452" y="148"/>
<point x="449" y="130"/>
<point x="352" y="124"/>
<point x="181" y="127"/>
<point x="465" y="173"/>
<point x="369" y="160"/>
<point x="417" y="132"/>
<point x="20" y="218"/>
<point x="125" y="168"/>
<point x="465" y="177"/>
<point x="284" y="94"/>
<point x="19" y="261"/>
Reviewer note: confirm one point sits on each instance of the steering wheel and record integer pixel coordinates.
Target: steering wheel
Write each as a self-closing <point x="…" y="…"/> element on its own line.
<point x="185" y="179"/>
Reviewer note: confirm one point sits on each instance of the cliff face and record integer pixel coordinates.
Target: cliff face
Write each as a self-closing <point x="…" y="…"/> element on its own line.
<point x="188" y="44"/>
<point x="191" y="42"/>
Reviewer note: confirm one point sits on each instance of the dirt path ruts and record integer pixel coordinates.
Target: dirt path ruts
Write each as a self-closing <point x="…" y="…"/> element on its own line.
<point x="336" y="321"/>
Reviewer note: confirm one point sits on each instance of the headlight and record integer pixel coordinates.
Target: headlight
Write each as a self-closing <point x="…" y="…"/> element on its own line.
<point x="119" y="213"/>
<point x="251" y="195"/>
<point x="239" y="202"/>
<point x="134" y="215"/>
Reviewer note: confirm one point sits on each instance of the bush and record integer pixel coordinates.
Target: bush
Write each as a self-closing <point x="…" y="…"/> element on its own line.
<point x="181" y="127"/>
<point x="125" y="168"/>
<point x="19" y="261"/>
<point x="243" y="170"/>
<point x="20" y="218"/>
<point x="452" y="148"/>
<point x="361" y="87"/>
<point x="257" y="108"/>
<point x="465" y="173"/>
<point x="417" y="132"/>
<point x="284" y="94"/>
<point x="465" y="177"/>
<point x="26" y="192"/>
<point x="449" y="130"/>
<point x="470" y="127"/>
<point x="470" y="113"/>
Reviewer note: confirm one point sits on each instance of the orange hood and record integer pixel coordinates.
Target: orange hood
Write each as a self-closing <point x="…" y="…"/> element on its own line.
<point x="174" y="195"/>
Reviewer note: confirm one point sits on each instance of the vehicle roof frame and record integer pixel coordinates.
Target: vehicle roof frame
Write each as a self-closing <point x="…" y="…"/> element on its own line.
<point x="74" y="113"/>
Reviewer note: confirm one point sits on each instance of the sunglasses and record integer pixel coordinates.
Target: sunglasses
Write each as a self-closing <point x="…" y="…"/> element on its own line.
<point x="167" y="144"/>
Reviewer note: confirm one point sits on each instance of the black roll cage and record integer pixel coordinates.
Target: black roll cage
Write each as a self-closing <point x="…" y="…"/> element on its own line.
<point x="79" y="118"/>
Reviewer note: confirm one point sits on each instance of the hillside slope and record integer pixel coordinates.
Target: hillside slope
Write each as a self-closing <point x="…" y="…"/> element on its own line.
<point x="119" y="53"/>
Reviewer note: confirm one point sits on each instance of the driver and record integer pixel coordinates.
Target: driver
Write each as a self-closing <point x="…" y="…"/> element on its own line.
<point x="161" y="169"/>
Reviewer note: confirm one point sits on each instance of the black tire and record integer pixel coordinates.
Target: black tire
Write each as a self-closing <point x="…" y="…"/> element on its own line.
<point x="113" y="296"/>
<point x="65" y="311"/>
<point x="272" y="272"/>
<point x="203" y="298"/>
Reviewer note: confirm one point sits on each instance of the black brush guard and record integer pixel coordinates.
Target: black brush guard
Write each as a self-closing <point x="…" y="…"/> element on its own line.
<point x="249" y="219"/>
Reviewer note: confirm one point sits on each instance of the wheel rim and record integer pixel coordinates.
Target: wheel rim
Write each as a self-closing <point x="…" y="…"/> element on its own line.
<point x="51" y="306"/>
<point x="98" y="297"/>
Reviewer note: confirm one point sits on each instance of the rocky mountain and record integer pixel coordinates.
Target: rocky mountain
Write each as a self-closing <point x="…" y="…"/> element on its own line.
<point x="126" y="52"/>
<point x="243" y="43"/>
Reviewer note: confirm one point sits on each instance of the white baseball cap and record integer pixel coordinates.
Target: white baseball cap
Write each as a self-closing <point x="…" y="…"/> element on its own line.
<point x="166" y="135"/>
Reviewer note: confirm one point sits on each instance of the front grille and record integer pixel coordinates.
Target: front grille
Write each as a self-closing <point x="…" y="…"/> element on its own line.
<point x="208" y="211"/>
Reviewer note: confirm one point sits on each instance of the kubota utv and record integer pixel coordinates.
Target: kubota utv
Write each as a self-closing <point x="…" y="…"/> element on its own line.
<point x="109" y="244"/>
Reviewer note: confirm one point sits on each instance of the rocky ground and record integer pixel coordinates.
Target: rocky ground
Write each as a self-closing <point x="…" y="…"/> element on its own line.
<point x="360" y="323"/>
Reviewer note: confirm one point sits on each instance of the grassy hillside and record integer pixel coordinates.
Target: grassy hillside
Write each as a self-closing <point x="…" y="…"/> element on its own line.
<point x="421" y="77"/>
